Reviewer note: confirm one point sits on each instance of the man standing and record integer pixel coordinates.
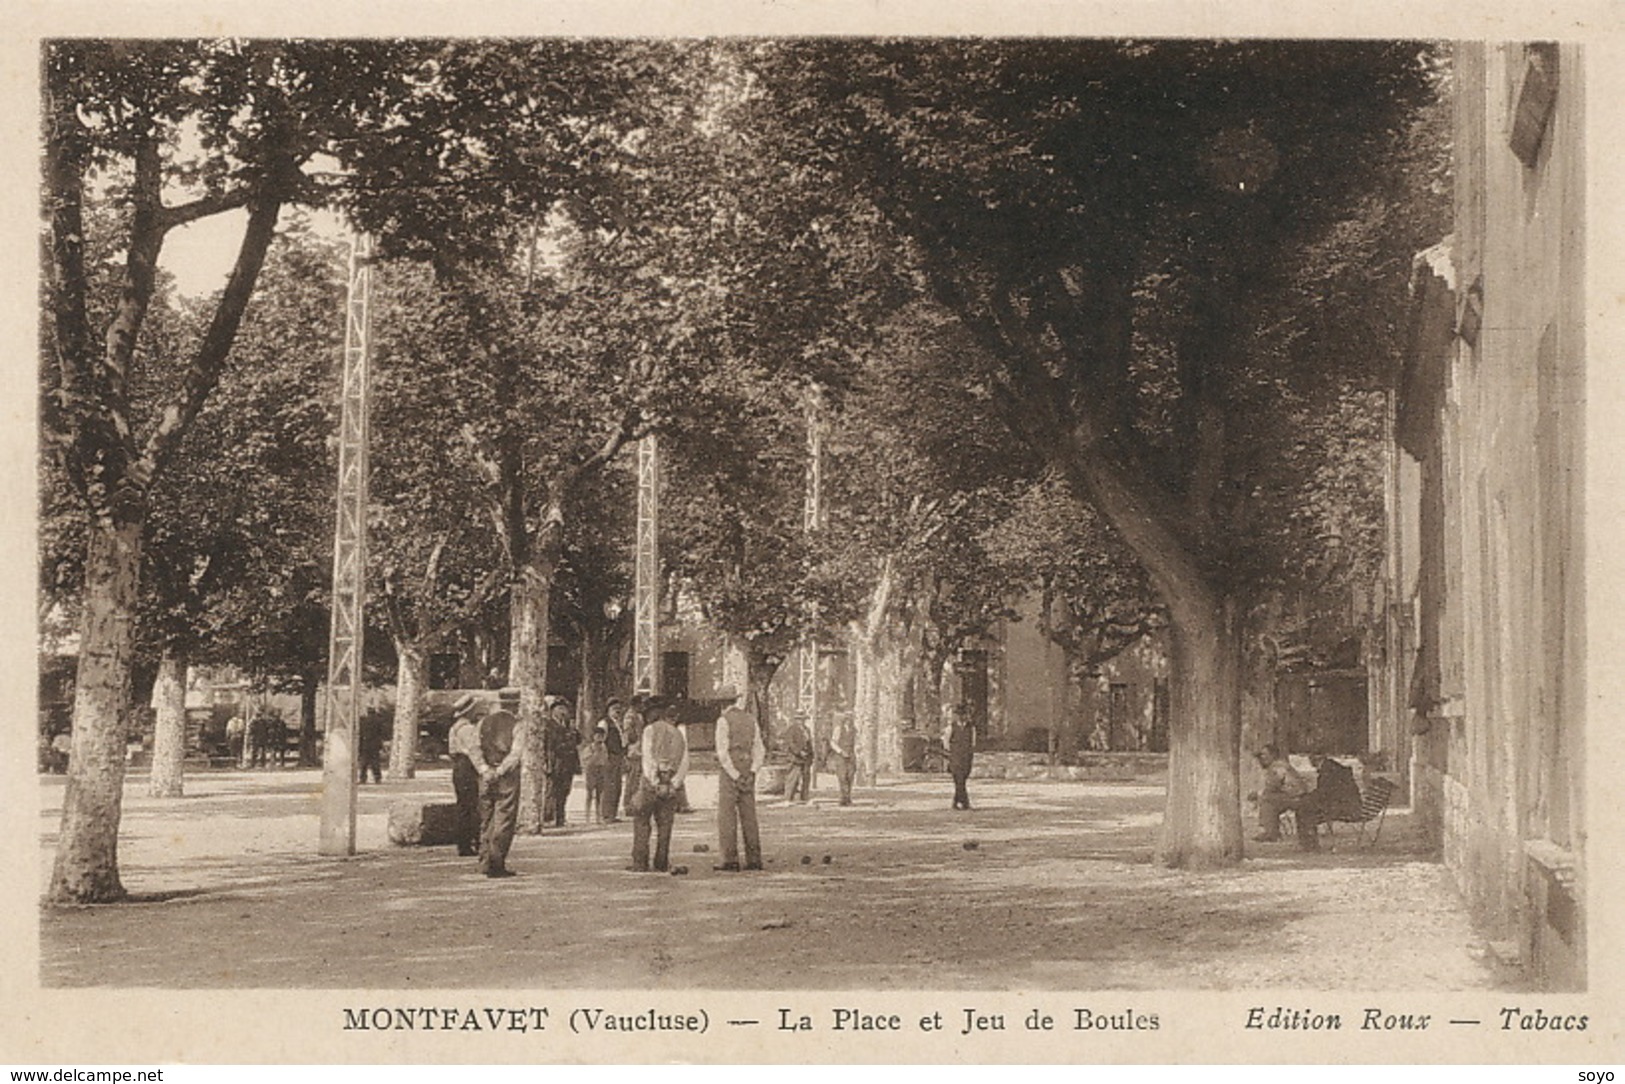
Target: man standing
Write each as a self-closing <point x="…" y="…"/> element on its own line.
<point x="843" y="755"/>
<point x="501" y="739"/>
<point x="740" y="753"/>
<point x="371" y="746"/>
<point x="563" y="749"/>
<point x="609" y="804"/>
<point x="467" y="762"/>
<point x="236" y="738"/>
<point x="257" y="728"/>
<point x="799" y="744"/>
<point x="961" y="749"/>
<point x="664" y="760"/>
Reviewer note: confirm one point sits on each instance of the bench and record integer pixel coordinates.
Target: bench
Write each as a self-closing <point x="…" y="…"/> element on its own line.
<point x="1375" y="797"/>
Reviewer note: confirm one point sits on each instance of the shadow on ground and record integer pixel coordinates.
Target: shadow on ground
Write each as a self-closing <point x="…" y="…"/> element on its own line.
<point x="1044" y="885"/>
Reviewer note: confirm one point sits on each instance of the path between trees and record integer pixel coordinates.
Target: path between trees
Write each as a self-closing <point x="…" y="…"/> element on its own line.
<point x="1045" y="885"/>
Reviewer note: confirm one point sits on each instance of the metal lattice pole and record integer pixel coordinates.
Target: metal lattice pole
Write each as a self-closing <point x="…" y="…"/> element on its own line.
<point x="349" y="568"/>
<point x="646" y="566"/>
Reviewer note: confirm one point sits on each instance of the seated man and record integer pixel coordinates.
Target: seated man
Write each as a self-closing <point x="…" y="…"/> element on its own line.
<point x="1283" y="789"/>
<point x="1336" y="797"/>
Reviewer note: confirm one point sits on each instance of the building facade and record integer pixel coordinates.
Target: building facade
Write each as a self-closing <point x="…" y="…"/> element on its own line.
<point x="1485" y="593"/>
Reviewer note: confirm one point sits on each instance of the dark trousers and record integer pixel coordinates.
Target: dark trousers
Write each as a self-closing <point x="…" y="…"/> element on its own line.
<point x="736" y="816"/>
<point x="961" y="795"/>
<point x="609" y="803"/>
<point x="662" y="811"/>
<point x="1270" y="808"/>
<point x="499" y="813"/>
<point x="465" y="784"/>
<point x="369" y="763"/>
<point x="798" y="781"/>
<point x="558" y="792"/>
<point x="845" y="768"/>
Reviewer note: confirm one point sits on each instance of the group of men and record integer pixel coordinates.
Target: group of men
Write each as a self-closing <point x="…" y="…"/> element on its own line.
<point x="636" y="762"/>
<point x="1335" y="795"/>
<point x="263" y="740"/>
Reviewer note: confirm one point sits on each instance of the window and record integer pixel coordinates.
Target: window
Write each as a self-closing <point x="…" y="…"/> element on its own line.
<point x="674" y="675"/>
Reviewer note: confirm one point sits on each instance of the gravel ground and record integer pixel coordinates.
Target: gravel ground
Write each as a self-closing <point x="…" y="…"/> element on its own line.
<point x="1045" y="885"/>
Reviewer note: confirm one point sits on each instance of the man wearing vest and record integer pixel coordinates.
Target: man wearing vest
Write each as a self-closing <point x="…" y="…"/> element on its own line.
<point x="799" y="744"/>
<point x="664" y="767"/>
<point x="501" y="739"/>
<point x="740" y="753"/>
<point x="463" y="742"/>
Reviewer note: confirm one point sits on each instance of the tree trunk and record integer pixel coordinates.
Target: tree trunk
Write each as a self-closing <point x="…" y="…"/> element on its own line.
<point x="891" y="676"/>
<point x="928" y="694"/>
<point x="411" y="678"/>
<point x="594" y="688"/>
<point x="527" y="670"/>
<point x="759" y="682"/>
<point x="1202" y="826"/>
<point x="169" y="729"/>
<point x="865" y="706"/>
<point x="86" y="868"/>
<point x="309" y="686"/>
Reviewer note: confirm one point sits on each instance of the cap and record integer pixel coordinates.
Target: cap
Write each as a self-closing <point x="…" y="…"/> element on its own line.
<point x="727" y="692"/>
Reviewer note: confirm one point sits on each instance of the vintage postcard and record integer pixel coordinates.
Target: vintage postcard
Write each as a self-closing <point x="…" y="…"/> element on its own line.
<point x="779" y="533"/>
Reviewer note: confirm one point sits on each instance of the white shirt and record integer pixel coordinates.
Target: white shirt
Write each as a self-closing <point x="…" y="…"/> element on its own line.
<point x="658" y="731"/>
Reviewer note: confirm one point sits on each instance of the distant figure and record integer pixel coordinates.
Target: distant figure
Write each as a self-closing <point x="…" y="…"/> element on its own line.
<point x="258" y="734"/>
<point x="961" y="742"/>
<point x="1336" y="797"/>
<point x="594" y="766"/>
<point x="799" y="744"/>
<point x="501" y="739"/>
<point x="632" y="726"/>
<point x="843" y="755"/>
<point x="609" y="805"/>
<point x="740" y="753"/>
<point x="562" y="755"/>
<point x="1283" y="789"/>
<point x="463" y="743"/>
<point x="370" y="744"/>
<point x="664" y="761"/>
<point x="236" y="738"/>
<point x="276" y="734"/>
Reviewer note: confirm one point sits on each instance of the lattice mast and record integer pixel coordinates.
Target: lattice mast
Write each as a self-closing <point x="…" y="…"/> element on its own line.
<point x="349" y="566"/>
<point x="646" y="567"/>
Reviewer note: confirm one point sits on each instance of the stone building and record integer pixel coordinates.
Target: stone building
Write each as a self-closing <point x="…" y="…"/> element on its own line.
<point x="1484" y="596"/>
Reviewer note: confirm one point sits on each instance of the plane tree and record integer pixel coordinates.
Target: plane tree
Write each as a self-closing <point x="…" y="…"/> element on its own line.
<point x="1116" y="223"/>
<point x="420" y="141"/>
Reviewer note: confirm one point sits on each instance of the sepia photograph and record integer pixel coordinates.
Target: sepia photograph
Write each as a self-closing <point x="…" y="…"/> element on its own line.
<point x="803" y="546"/>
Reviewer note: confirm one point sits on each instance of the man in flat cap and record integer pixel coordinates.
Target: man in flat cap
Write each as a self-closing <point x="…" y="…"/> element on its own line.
<point x="562" y="756"/>
<point x="463" y="742"/>
<point x="740" y="753"/>
<point x="609" y="807"/>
